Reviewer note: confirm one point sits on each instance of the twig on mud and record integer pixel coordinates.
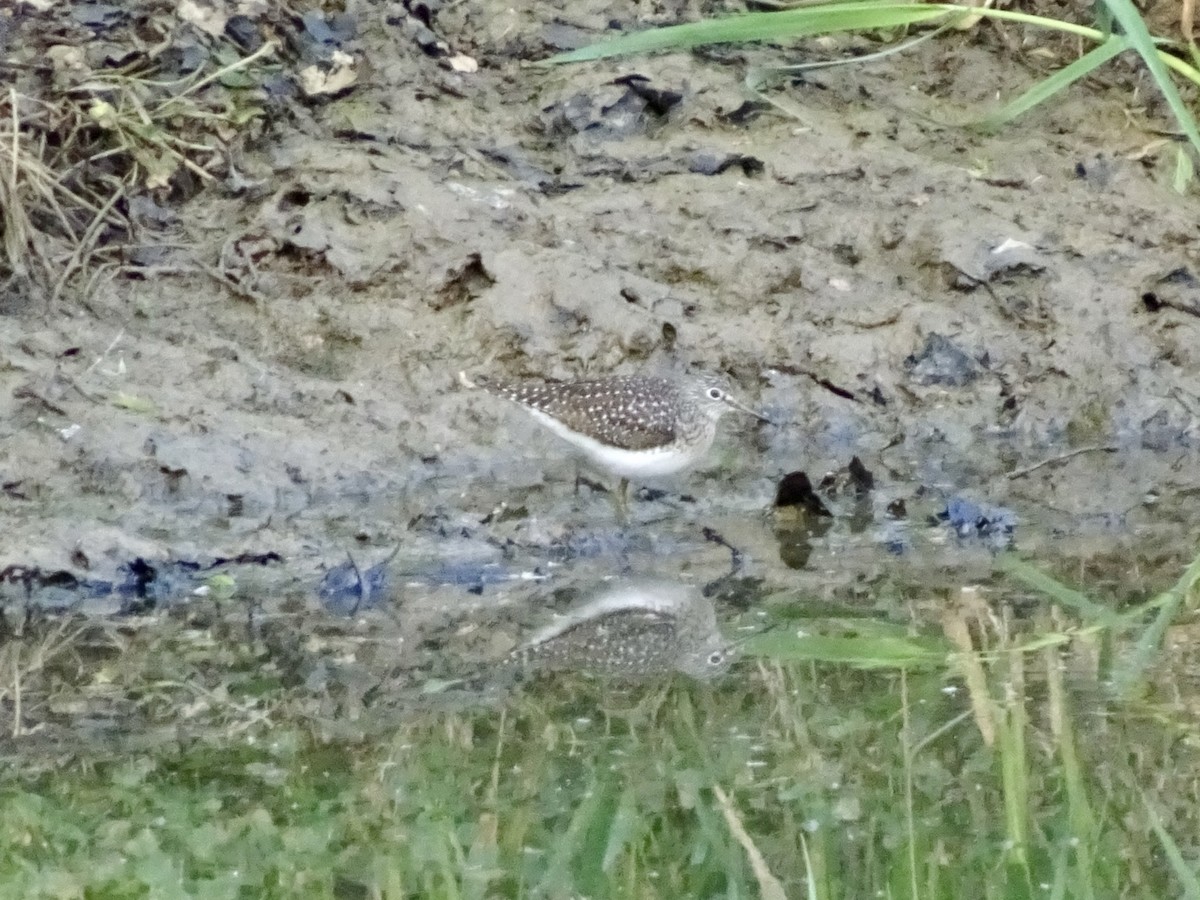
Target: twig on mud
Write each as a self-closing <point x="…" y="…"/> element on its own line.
<point x="85" y="246"/>
<point x="109" y="349"/>
<point x="266" y="49"/>
<point x="1097" y="448"/>
<point x="51" y="183"/>
<point x="28" y="168"/>
<point x="874" y="323"/>
<point x="481" y="160"/>
<point x="1191" y="309"/>
<point x="1188" y="403"/>
<point x="156" y="137"/>
<point x="16" y="225"/>
<point x="199" y="268"/>
<point x="238" y="290"/>
<point x="90" y="288"/>
<point x="73" y="157"/>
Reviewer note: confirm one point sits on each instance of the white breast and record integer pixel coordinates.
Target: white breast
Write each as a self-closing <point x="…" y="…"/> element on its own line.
<point x="627" y="463"/>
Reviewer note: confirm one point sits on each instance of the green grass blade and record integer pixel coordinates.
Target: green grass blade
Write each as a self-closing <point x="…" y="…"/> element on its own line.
<point x="1057" y="591"/>
<point x="873" y="15"/>
<point x="810" y="881"/>
<point x="863" y="651"/>
<point x="1014" y="766"/>
<point x="590" y="874"/>
<point x="559" y="877"/>
<point x="1060" y="80"/>
<point x="1130" y="20"/>
<point x="623" y="830"/>
<point x="757" y="78"/>
<point x="824" y="19"/>
<point x="1130" y="669"/>
<point x="1184" y="872"/>
<point x="1080" y="814"/>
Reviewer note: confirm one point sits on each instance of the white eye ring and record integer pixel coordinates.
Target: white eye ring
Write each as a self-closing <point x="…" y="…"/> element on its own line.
<point x="716" y="393"/>
<point x="716" y="657"/>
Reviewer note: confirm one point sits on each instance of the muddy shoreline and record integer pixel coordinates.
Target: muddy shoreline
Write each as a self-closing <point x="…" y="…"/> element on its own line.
<point x="949" y="307"/>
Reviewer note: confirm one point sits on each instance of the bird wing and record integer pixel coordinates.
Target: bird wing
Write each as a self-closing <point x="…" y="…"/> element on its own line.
<point x="607" y="642"/>
<point x="632" y="414"/>
<point x="612" y="627"/>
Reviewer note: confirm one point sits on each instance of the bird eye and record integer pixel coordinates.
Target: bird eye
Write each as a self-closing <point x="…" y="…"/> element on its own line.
<point x="716" y="657"/>
<point x="715" y="393"/>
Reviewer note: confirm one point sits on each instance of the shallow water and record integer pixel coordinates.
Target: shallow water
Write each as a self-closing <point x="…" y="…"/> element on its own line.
<point x="853" y="744"/>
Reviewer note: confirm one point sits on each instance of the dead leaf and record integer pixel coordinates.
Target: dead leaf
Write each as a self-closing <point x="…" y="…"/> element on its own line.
<point x="67" y="58"/>
<point x="210" y="21"/>
<point x="968" y="22"/>
<point x="133" y="403"/>
<point x="462" y="63"/>
<point x="103" y="114"/>
<point x="314" y="80"/>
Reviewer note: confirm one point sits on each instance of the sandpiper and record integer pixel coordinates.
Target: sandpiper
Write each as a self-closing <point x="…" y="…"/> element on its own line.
<point x="636" y="629"/>
<point x="634" y="426"/>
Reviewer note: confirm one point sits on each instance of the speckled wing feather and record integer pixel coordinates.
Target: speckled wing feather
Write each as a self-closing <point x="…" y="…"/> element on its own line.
<point x="634" y="413"/>
<point x="629" y="642"/>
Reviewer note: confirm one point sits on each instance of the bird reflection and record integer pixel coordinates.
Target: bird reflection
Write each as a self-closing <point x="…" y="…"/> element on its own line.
<point x="635" y="629"/>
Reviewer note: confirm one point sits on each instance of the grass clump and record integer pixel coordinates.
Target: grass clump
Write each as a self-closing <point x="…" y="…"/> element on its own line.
<point x="84" y="163"/>
<point x="1122" y="30"/>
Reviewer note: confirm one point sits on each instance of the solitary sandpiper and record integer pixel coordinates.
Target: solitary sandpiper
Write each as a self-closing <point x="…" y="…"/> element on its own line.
<point x="634" y="426"/>
<point x="633" y="630"/>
